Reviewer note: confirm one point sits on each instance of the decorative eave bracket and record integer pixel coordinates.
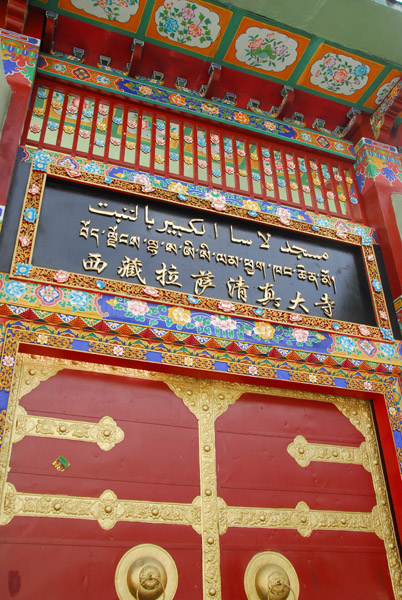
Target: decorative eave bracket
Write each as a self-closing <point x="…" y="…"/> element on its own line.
<point x="383" y="120"/>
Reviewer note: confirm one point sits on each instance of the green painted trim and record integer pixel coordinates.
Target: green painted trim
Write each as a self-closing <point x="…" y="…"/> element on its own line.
<point x="228" y="36"/>
<point x="146" y="15"/>
<point x="304" y="60"/>
<point x="374" y="86"/>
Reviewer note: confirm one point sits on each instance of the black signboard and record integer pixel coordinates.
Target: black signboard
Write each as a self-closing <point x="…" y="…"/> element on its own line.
<point x="110" y="235"/>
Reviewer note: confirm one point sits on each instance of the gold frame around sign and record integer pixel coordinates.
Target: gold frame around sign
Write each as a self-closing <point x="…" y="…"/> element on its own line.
<point x="208" y="514"/>
<point x="23" y="254"/>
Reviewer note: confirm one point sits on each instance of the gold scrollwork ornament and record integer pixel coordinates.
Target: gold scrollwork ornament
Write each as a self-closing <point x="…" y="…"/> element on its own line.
<point x="105" y="433"/>
<point x="305" y="452"/>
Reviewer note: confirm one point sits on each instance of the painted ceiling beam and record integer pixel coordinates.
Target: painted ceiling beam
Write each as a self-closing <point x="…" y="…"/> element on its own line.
<point x="362" y="25"/>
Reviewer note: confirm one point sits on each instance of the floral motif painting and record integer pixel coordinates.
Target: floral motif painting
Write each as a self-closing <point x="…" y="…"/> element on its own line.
<point x="266" y="49"/>
<point x="112" y="10"/>
<point x="384" y="90"/>
<point x="187" y="23"/>
<point x="339" y="74"/>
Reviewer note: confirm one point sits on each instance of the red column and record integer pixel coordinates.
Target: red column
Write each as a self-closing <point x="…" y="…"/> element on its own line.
<point x="19" y="55"/>
<point x="379" y="175"/>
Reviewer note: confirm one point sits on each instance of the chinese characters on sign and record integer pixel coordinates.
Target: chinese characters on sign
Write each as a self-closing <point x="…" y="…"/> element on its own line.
<point x="151" y="243"/>
<point x="188" y="245"/>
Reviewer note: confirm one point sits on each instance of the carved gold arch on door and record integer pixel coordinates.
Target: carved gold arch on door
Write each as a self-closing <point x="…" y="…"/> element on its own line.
<point x="208" y="514"/>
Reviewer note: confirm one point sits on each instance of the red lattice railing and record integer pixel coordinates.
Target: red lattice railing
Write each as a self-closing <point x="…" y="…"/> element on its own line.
<point x="114" y="131"/>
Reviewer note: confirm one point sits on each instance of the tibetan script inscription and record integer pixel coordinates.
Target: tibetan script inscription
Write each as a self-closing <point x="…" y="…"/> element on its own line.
<point x="152" y="243"/>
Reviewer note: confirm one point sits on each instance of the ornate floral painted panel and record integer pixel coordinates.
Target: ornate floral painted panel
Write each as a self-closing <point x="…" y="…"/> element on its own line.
<point x="197" y="25"/>
<point x="339" y="73"/>
<point x="266" y="48"/>
<point x="187" y="23"/>
<point x="113" y="10"/>
<point x="119" y="13"/>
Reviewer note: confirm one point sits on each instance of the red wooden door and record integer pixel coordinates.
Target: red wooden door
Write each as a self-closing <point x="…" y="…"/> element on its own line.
<point x="197" y="458"/>
<point x="63" y="558"/>
<point x="258" y="471"/>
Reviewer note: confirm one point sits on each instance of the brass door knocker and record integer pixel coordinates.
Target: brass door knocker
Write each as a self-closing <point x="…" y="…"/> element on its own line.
<point x="270" y="576"/>
<point x="146" y="572"/>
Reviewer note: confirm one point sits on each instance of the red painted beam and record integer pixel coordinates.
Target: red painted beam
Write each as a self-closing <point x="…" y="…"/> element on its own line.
<point x="214" y="77"/>
<point x="380" y="215"/>
<point x="48" y="35"/>
<point x="16" y="15"/>
<point x="136" y="56"/>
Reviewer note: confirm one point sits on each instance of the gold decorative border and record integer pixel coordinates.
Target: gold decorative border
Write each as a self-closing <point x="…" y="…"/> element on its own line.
<point x="305" y="452"/>
<point x="207" y="514"/>
<point x="22" y="267"/>
<point x="108" y="509"/>
<point x="303" y="519"/>
<point x="106" y="433"/>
